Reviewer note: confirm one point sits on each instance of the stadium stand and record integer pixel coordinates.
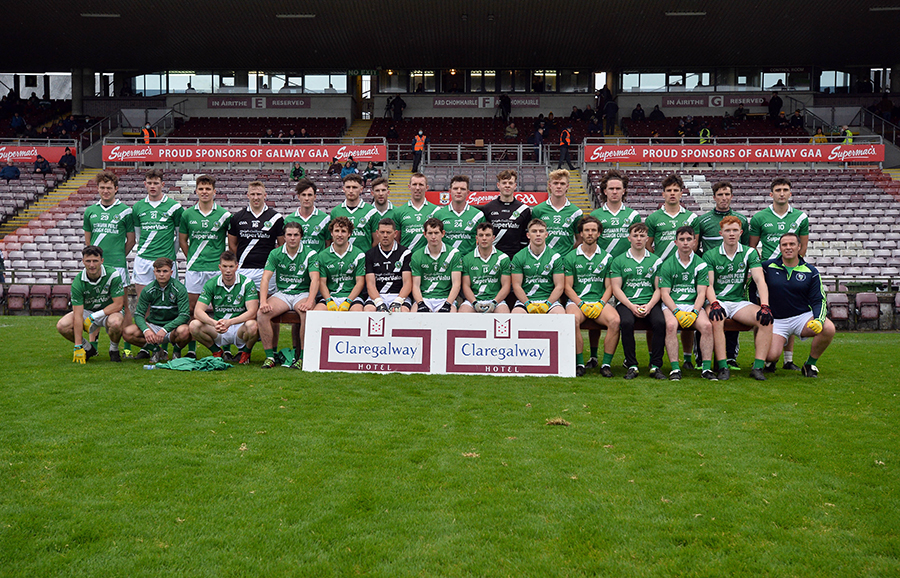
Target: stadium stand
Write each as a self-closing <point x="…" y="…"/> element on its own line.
<point x="255" y="128"/>
<point x="752" y="128"/>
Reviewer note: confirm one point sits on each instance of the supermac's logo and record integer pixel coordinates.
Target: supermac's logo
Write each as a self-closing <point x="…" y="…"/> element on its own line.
<point x="118" y="154"/>
<point x="18" y="154"/>
<point x="379" y="350"/>
<point x="604" y="155"/>
<point x="506" y="350"/>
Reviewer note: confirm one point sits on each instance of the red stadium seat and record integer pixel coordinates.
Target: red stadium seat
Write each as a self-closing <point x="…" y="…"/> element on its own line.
<point x="838" y="306"/>
<point x="59" y="298"/>
<point x="867" y="306"/>
<point x="16" y="298"/>
<point x="39" y="298"/>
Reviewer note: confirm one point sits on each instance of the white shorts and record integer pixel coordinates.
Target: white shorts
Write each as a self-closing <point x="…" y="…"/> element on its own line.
<point x="230" y="337"/>
<point x="791" y="325"/>
<point x="552" y="305"/>
<point x="388" y="299"/>
<point x="85" y="314"/>
<point x="732" y="307"/>
<point x="434" y="304"/>
<point x="255" y="275"/>
<point x="123" y="273"/>
<point x="195" y="280"/>
<point x="680" y="307"/>
<point x="290" y="300"/>
<point x="143" y="271"/>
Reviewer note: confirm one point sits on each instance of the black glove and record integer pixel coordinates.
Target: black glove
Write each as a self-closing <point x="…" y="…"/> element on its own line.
<point x="382" y="308"/>
<point x="423" y="308"/>
<point x="716" y="313"/>
<point x="764" y="315"/>
<point x="445" y="308"/>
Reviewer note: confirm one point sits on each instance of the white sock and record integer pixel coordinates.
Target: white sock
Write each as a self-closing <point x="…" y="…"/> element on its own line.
<point x="788" y="356"/>
<point x="113" y="346"/>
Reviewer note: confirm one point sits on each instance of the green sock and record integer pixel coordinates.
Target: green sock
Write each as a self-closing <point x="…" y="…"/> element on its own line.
<point x="247" y="349"/>
<point x="812" y="360"/>
<point x="94" y="345"/>
<point x="676" y="366"/>
<point x="688" y="355"/>
<point x="153" y="348"/>
<point x="706" y="364"/>
<point x="214" y="348"/>
<point x="607" y="358"/>
<point x="270" y="353"/>
<point x="594" y="352"/>
<point x="127" y="346"/>
<point x="579" y="359"/>
<point x="192" y="346"/>
<point x="759" y="363"/>
<point x="720" y="364"/>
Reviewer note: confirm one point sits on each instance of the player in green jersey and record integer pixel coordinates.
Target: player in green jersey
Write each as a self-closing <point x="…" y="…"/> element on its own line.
<point x="293" y="266"/>
<point x="662" y="224"/>
<point x="363" y="215"/>
<point x="109" y="225"/>
<point x="234" y="303"/>
<point x="589" y="289"/>
<point x="730" y="266"/>
<point x="161" y="316"/>
<point x="460" y="218"/>
<point x="156" y="222"/>
<point x="614" y="216"/>
<point x="342" y="270"/>
<point x="683" y="280"/>
<point x="485" y="275"/>
<point x="313" y="220"/>
<point x="436" y="272"/>
<point x="561" y="216"/>
<point x="381" y="201"/>
<point x="97" y="300"/>
<point x="538" y="274"/>
<point x="635" y="285"/>
<point x="411" y="217"/>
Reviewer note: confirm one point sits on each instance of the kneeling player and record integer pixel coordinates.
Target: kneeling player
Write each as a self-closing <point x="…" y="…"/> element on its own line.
<point x="234" y="303"/>
<point x="342" y="270"/>
<point x="588" y="289"/>
<point x="296" y="282"/>
<point x="388" y="274"/>
<point x="436" y="272"/>
<point x="730" y="266"/>
<point x="97" y="301"/>
<point x="683" y="279"/>
<point x="538" y="274"/>
<point x="161" y="316"/>
<point x="486" y="275"/>
<point x="800" y="307"/>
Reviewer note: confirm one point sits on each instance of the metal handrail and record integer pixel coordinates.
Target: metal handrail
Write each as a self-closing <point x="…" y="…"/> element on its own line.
<point x="871" y="120"/>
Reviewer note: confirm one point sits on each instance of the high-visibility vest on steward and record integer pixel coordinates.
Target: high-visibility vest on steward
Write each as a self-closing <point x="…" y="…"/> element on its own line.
<point x="564" y="138"/>
<point x="148" y="134"/>
<point x="420" y="143"/>
<point x="704" y="135"/>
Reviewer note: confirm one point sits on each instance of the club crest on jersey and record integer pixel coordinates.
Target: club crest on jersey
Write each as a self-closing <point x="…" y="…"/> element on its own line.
<point x="267" y="224"/>
<point x="801" y="276"/>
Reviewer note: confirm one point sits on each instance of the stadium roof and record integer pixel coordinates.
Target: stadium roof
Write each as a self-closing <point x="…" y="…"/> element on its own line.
<point x="135" y="35"/>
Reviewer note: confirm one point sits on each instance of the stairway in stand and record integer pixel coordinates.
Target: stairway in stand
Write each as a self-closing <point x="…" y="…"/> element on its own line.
<point x="49" y="201"/>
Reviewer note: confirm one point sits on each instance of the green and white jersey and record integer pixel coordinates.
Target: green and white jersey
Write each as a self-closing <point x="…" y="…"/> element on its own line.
<point x="484" y="274"/>
<point x="365" y="222"/>
<point x="109" y="227"/>
<point x="769" y="227"/>
<point x="291" y="274"/>
<point x="731" y="274"/>
<point x="637" y="275"/>
<point x="156" y="225"/>
<point x="711" y="234"/>
<point x="588" y="273"/>
<point x="459" y="228"/>
<point x="389" y="213"/>
<point x="97" y="294"/>
<point x="662" y="226"/>
<point x="614" y="238"/>
<point x="562" y="225"/>
<point x="206" y="236"/>
<point x="537" y="271"/>
<point x="315" y="228"/>
<point x="167" y="307"/>
<point x="228" y="302"/>
<point x="340" y="271"/>
<point x="411" y="223"/>
<point x="436" y="272"/>
<point x="683" y="278"/>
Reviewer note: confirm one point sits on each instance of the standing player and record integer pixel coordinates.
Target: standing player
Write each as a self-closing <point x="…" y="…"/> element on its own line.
<point x="293" y="265"/>
<point x="614" y="216"/>
<point x="97" y="299"/>
<point x="588" y="289"/>
<point x="381" y="200"/>
<point x="683" y="280"/>
<point x="342" y="270"/>
<point x="436" y="272"/>
<point x="538" y="274"/>
<point x="559" y="215"/>
<point x="254" y="232"/>
<point x="485" y="275"/>
<point x="710" y="239"/>
<point x="362" y="215"/>
<point x="157" y="219"/>
<point x="662" y="224"/>
<point x="508" y="215"/>
<point x="635" y="285"/>
<point x="411" y="217"/>
<point x="161" y="316"/>
<point x="109" y="225"/>
<point x="730" y="266"/>
<point x="800" y="307"/>
<point x="313" y="221"/>
<point x="388" y="273"/>
<point x="766" y="228"/>
<point x="234" y="303"/>
<point x="460" y="218"/>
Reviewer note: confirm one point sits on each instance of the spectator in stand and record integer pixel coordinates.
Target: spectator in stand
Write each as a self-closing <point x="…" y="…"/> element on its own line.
<point x="305" y="137"/>
<point x="335" y="168"/>
<point x="539" y="122"/>
<point x="594" y="126"/>
<point x="42" y="166"/>
<point x="63" y="135"/>
<point x="819" y="137"/>
<point x="690" y="126"/>
<point x="511" y="132"/>
<point x="349" y="169"/>
<point x="886" y="107"/>
<point x="681" y="131"/>
<point x="269" y="137"/>
<point x="796" y="119"/>
<point x="69" y="124"/>
<point x="292" y="137"/>
<point x="398" y="105"/>
<point x="45" y="133"/>
<point x="575" y="115"/>
<point x="611" y="114"/>
<point x="370" y="174"/>
<point x="637" y="115"/>
<point x="10" y="172"/>
<point x="30" y="132"/>
<point x="538" y="142"/>
<point x="282" y="138"/>
<point x="782" y="121"/>
<point x="588" y="114"/>
<point x="656" y="115"/>
<point x="505" y="105"/>
<point x="740" y="113"/>
<point x="67" y="161"/>
<point x="775" y="104"/>
<point x="727" y="122"/>
<point x="297" y="172"/>
<point x="392" y="133"/>
<point x="190" y="89"/>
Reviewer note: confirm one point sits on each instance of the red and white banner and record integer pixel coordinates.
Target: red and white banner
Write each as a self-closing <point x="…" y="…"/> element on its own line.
<point x="465" y="343"/>
<point x="242" y="153"/>
<point x="26" y="154"/>
<point x="799" y="153"/>
<point x="479" y="198"/>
